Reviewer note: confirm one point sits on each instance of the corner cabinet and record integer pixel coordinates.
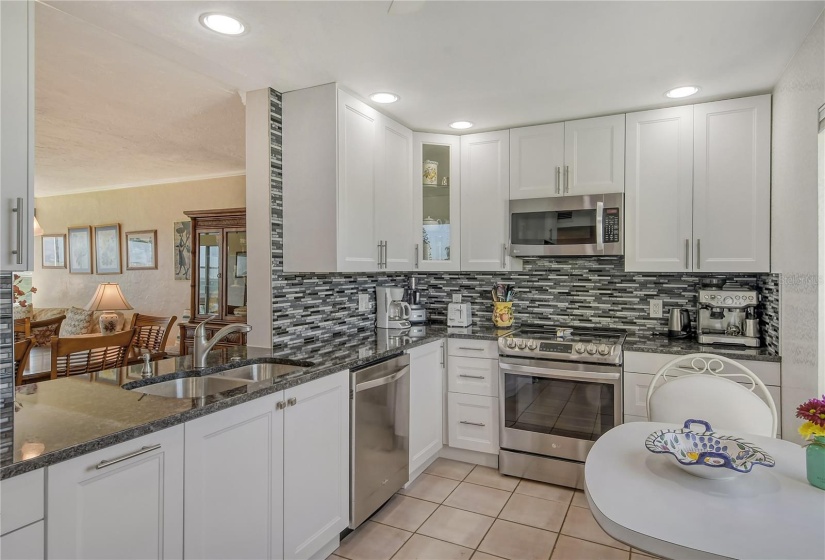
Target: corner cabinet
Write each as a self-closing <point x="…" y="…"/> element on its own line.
<point x="427" y="365"/>
<point x="218" y="274"/>
<point x="17" y="135"/>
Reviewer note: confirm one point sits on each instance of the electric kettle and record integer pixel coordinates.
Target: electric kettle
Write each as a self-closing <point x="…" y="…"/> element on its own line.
<point x="678" y="323"/>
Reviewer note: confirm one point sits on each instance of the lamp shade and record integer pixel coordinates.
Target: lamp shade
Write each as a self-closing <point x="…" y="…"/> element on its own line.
<point x="108" y="297"/>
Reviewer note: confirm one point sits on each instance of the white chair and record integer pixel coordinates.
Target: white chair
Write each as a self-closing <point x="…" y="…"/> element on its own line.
<point x="698" y="386"/>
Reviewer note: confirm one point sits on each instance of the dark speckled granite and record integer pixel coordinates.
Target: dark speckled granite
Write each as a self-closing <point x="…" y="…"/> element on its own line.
<point x="661" y="344"/>
<point x="61" y="419"/>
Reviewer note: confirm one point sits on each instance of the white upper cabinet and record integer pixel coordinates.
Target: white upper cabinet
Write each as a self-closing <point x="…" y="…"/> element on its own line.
<point x="731" y="185"/>
<point x="437" y="201"/>
<point x="594" y="156"/>
<point x="536" y="161"/>
<point x="16" y="135"/>
<point x="485" y="201"/>
<point x="659" y="190"/>
<point x="394" y="195"/>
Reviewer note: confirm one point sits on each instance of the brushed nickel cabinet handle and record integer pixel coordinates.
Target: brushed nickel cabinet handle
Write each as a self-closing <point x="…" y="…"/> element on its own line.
<point x="292" y="401"/>
<point x="566" y="179"/>
<point x="469" y="348"/>
<point x="472" y="423"/>
<point x="280" y="405"/>
<point x="698" y="254"/>
<point x="18" y="211"/>
<point x="472" y="376"/>
<point x="504" y="256"/>
<point x="141" y="451"/>
<point x="687" y="254"/>
<point x="558" y="179"/>
<point x="416" y="255"/>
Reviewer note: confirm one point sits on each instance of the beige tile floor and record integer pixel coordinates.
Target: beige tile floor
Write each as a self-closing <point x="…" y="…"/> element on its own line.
<point x="459" y="511"/>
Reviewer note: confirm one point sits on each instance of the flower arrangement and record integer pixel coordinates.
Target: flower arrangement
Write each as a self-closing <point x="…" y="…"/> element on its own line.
<point x="20" y="292"/>
<point x="813" y="412"/>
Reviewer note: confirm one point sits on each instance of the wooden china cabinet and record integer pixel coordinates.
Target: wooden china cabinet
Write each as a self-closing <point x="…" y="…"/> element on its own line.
<point x="218" y="275"/>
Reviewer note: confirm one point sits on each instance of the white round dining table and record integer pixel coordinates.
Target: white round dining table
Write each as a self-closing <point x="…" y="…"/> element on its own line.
<point x="646" y="501"/>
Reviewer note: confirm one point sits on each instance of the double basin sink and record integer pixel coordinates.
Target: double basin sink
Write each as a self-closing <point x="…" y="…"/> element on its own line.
<point x="212" y="384"/>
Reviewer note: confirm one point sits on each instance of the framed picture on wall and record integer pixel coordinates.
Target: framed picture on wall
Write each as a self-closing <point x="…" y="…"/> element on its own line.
<point x="54" y="251"/>
<point x="107" y="249"/>
<point x="183" y="246"/>
<point x="142" y="250"/>
<point x="80" y="250"/>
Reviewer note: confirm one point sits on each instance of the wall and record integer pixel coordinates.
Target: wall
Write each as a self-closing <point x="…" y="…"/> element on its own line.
<point x="154" y="292"/>
<point x="795" y="221"/>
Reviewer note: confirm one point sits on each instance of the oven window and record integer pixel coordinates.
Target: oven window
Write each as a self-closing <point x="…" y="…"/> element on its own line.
<point x="576" y="227"/>
<point x="554" y="406"/>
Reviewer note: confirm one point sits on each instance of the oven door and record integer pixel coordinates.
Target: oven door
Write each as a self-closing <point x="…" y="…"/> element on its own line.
<point x="557" y="409"/>
<point x="567" y="226"/>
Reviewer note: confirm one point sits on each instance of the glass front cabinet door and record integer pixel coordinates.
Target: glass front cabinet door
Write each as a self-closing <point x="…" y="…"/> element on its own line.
<point x="437" y="202"/>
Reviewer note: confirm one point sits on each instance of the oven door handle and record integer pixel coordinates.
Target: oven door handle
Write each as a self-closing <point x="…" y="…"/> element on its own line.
<point x="560" y="374"/>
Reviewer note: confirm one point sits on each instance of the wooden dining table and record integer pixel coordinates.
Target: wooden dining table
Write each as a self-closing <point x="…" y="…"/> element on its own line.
<point x="646" y="501"/>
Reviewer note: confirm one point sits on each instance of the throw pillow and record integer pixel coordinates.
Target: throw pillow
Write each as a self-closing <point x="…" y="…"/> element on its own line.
<point x="77" y="321"/>
<point x="21" y="312"/>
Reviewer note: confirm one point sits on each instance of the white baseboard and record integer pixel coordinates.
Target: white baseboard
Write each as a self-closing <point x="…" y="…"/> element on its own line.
<point x="327" y="549"/>
<point x="466" y="456"/>
<point x="417" y="472"/>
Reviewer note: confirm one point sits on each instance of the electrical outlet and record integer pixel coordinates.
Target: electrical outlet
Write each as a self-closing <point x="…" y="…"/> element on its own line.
<point x="456" y="298"/>
<point x="363" y="302"/>
<point x="655" y="308"/>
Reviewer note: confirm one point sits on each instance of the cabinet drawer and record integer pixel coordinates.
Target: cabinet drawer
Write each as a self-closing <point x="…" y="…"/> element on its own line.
<point x="473" y="348"/>
<point x="473" y="376"/>
<point x="644" y="362"/>
<point x="22" y="500"/>
<point x="473" y="422"/>
<point x="28" y="543"/>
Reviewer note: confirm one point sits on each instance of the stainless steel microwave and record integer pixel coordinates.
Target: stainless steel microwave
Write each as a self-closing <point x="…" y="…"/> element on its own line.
<point x="567" y="226"/>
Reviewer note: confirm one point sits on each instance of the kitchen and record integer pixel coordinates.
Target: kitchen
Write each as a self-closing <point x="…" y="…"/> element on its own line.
<point x="336" y="336"/>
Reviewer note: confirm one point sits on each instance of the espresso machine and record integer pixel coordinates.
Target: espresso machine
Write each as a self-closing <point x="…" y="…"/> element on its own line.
<point x="391" y="311"/>
<point x="728" y="317"/>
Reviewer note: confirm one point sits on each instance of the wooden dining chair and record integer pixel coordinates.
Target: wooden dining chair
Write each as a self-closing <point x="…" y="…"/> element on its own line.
<point x="22" y="329"/>
<point x="45" y="329"/>
<point x="22" y="349"/>
<point x="151" y="334"/>
<point x="75" y="355"/>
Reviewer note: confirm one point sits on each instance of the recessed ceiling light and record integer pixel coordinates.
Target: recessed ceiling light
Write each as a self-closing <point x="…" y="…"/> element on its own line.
<point x="384" y="97"/>
<point x="460" y="125"/>
<point x="222" y="23"/>
<point x="683" y="91"/>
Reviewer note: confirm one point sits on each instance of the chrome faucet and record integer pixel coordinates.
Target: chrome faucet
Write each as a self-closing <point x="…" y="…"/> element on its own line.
<point x="202" y="346"/>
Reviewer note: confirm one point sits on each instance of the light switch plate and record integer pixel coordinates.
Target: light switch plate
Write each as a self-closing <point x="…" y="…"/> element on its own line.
<point x="655" y="308"/>
<point x="363" y="302"/>
<point x="456" y="298"/>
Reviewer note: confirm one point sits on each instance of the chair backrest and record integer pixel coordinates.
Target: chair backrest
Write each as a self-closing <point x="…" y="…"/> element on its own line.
<point x="86" y="354"/>
<point x="44" y="330"/>
<point x="702" y="387"/>
<point x="151" y="332"/>
<point x="22" y="329"/>
<point x="21" y="358"/>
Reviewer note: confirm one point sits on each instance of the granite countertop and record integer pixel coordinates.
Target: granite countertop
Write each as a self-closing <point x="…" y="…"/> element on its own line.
<point x="64" y="418"/>
<point x="661" y="344"/>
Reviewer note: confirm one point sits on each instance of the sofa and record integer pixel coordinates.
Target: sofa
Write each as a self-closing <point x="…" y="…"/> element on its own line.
<point x="42" y="313"/>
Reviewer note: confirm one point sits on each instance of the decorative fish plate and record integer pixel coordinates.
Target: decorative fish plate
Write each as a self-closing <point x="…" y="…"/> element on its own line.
<point x="708" y="454"/>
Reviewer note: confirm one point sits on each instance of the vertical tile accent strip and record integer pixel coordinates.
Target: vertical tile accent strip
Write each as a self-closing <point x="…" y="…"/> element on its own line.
<point x="6" y="370"/>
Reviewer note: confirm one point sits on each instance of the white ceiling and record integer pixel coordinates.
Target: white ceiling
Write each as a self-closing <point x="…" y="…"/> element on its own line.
<point x="110" y="114"/>
<point x="498" y="64"/>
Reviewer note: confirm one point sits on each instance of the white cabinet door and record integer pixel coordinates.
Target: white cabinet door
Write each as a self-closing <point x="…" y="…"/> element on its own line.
<point x="659" y="190"/>
<point x="536" y="161"/>
<point x="485" y="199"/>
<point x="594" y="155"/>
<point x="394" y="195"/>
<point x="16" y="135"/>
<point x="316" y="464"/>
<point x="426" y="402"/>
<point x="234" y="482"/>
<point x="731" y="185"/>
<point x="27" y="543"/>
<point x="124" y="501"/>
<point x="473" y="376"/>
<point x="357" y="132"/>
<point x="473" y="422"/>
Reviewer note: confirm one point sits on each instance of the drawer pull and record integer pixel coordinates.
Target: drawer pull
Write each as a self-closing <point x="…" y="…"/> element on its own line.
<point x="103" y="464"/>
<point x="472" y="376"/>
<point x="469" y="348"/>
<point x="472" y="423"/>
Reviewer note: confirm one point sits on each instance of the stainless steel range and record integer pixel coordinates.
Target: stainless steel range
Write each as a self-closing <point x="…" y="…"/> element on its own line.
<point x="560" y="389"/>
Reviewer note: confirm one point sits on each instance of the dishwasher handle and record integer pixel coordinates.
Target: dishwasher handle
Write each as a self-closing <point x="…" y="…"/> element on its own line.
<point x="393" y="377"/>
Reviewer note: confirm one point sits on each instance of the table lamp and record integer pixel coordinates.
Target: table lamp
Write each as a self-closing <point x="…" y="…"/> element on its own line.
<point x="109" y="299"/>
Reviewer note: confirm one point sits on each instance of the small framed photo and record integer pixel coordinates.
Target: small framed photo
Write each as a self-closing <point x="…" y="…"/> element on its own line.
<point x="142" y="250"/>
<point x="240" y="264"/>
<point x="80" y="250"/>
<point x="54" y="251"/>
<point x="107" y="249"/>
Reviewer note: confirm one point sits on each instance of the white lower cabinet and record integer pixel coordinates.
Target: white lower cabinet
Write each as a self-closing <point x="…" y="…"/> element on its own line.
<point x="27" y="543"/>
<point x="473" y="422"/>
<point x="472" y="398"/>
<point x="122" y="502"/>
<point x="426" y="403"/>
<point x="473" y="376"/>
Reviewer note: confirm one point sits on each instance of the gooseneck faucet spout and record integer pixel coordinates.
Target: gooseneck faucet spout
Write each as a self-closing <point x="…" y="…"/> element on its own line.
<point x="202" y="346"/>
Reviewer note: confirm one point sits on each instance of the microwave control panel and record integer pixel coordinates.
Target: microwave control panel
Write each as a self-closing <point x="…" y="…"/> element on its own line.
<point x="611" y="225"/>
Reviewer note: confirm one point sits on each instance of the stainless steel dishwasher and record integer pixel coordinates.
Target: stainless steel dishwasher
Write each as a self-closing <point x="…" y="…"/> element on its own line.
<point x="380" y="438"/>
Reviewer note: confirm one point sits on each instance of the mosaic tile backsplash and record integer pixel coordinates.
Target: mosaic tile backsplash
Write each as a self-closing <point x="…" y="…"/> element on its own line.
<point x="6" y="370"/>
<point x="308" y="308"/>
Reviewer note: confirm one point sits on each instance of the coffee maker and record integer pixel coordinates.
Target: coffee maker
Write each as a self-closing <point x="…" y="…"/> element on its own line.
<point x="728" y="317"/>
<point x="418" y="314"/>
<point x="391" y="311"/>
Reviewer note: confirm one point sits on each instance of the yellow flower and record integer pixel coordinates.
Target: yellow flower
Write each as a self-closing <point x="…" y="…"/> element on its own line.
<point x="809" y="429"/>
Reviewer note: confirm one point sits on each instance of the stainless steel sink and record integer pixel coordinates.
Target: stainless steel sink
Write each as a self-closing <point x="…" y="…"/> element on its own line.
<point x="191" y="387"/>
<point x="257" y="372"/>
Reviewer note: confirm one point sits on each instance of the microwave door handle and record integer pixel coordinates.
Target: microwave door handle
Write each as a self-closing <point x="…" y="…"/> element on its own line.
<point x="600" y="226"/>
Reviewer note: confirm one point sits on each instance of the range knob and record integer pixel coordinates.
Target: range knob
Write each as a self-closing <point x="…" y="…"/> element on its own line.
<point x="591" y="348"/>
<point x="511" y="343"/>
<point x="531" y="345"/>
<point x="521" y="344"/>
<point x="580" y="348"/>
<point x="604" y="350"/>
<point x="727" y="301"/>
